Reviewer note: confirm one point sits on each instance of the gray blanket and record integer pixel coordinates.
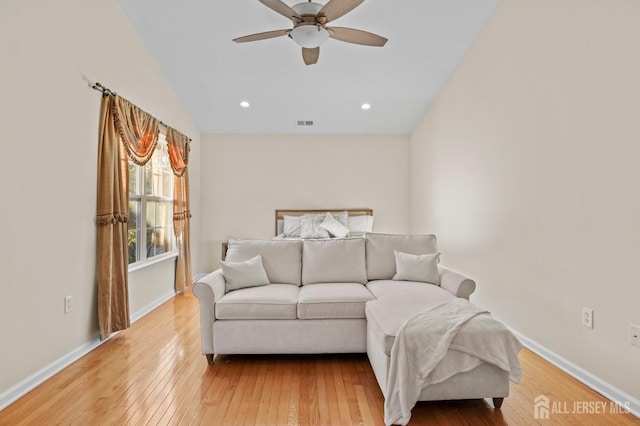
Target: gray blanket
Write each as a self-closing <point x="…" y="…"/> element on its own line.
<point x="423" y="341"/>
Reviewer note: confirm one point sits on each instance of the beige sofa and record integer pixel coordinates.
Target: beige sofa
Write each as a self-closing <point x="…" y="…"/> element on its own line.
<point x="334" y="296"/>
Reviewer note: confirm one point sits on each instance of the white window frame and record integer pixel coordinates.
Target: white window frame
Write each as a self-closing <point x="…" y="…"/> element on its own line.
<point x="141" y="228"/>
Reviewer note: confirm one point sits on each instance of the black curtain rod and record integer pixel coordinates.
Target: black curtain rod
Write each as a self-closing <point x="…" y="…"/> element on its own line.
<point x="106" y="91"/>
<point x="100" y="88"/>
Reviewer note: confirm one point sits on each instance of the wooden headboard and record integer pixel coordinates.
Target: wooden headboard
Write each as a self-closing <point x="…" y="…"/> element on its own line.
<point x="293" y="212"/>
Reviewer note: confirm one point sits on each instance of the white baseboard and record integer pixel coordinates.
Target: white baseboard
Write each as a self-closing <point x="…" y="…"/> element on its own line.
<point x="26" y="385"/>
<point x="21" y="388"/>
<point x="597" y="384"/>
<point x="151" y="306"/>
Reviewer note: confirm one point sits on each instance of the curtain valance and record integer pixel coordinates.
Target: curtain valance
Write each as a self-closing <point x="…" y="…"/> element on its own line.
<point x="138" y="130"/>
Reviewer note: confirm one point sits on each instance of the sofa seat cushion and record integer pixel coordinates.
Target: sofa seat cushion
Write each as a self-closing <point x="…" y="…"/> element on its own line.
<point x="273" y="301"/>
<point x="394" y="306"/>
<point x="333" y="300"/>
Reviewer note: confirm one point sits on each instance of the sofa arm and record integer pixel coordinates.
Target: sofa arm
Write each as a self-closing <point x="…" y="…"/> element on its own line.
<point x="456" y="283"/>
<point x="208" y="290"/>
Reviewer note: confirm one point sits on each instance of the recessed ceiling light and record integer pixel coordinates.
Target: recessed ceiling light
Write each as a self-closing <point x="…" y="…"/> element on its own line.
<point x="245" y="104"/>
<point x="365" y="106"/>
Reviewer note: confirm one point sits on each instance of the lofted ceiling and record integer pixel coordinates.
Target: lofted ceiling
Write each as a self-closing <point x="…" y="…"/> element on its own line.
<point x="191" y="42"/>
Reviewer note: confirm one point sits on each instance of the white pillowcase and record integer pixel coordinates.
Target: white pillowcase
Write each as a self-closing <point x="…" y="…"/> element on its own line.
<point x="292" y="226"/>
<point x="421" y="268"/>
<point x="334" y="227"/>
<point x="310" y="226"/>
<point x="359" y="225"/>
<point x="249" y="273"/>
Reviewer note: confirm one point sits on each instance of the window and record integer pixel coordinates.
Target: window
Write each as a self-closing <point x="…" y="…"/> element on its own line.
<point x="151" y="207"/>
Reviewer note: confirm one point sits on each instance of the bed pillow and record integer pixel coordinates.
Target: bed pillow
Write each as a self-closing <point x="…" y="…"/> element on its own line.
<point x="310" y="226"/>
<point x="292" y="226"/>
<point x="421" y="268"/>
<point x="342" y="217"/>
<point x="359" y="225"/>
<point x="249" y="273"/>
<point x="334" y="227"/>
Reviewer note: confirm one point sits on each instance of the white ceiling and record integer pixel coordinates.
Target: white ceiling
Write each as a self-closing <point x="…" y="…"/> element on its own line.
<point x="191" y="42"/>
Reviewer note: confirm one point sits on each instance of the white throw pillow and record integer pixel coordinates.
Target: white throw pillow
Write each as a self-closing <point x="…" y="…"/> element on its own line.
<point x="249" y="273"/>
<point x="291" y="226"/>
<point x="310" y="226"/>
<point x="342" y="217"/>
<point x="334" y="227"/>
<point x="421" y="268"/>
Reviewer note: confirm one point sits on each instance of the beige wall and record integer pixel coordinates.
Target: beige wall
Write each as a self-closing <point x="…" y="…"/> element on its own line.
<point x="48" y="143"/>
<point x="245" y="178"/>
<point x="526" y="167"/>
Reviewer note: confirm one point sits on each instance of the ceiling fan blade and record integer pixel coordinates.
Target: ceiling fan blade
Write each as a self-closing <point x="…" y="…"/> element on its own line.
<point x="351" y="35"/>
<point x="261" y="36"/>
<point x="337" y="8"/>
<point x="282" y="8"/>
<point x="310" y="56"/>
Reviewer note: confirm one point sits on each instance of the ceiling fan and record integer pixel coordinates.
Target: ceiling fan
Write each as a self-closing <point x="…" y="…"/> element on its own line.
<point x="310" y="28"/>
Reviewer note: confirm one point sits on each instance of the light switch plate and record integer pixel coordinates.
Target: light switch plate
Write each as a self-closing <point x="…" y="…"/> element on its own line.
<point x="587" y="317"/>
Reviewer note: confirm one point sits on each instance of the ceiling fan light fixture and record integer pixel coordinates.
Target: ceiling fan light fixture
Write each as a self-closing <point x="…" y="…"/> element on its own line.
<point x="307" y="8"/>
<point x="309" y="36"/>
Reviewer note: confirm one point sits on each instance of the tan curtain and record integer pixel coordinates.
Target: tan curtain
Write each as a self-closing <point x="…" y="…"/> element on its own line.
<point x="124" y="130"/>
<point x="178" y="145"/>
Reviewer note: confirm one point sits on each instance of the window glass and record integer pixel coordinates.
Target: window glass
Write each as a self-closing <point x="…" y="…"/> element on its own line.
<point x="133" y="178"/>
<point x="133" y="230"/>
<point x="150" y="230"/>
<point x="148" y="178"/>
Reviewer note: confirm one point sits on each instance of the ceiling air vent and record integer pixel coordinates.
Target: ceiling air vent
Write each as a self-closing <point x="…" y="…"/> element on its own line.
<point x="305" y="122"/>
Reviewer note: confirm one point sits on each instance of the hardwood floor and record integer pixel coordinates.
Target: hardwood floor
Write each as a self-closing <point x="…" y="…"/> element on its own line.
<point x="154" y="373"/>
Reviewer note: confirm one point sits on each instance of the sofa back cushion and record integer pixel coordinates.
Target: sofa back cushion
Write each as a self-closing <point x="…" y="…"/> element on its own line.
<point x="282" y="259"/>
<point x="334" y="260"/>
<point x="381" y="260"/>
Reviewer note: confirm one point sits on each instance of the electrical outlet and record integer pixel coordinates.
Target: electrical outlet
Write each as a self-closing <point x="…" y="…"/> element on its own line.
<point x="634" y="335"/>
<point x="587" y="317"/>
<point x="68" y="304"/>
